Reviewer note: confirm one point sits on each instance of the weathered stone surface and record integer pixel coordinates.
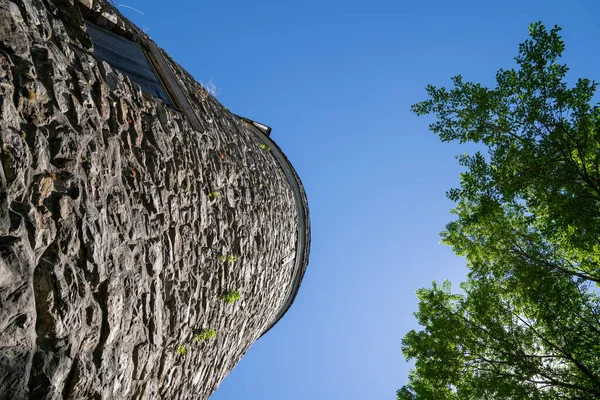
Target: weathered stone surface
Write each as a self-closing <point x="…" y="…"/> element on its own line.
<point x="109" y="237"/>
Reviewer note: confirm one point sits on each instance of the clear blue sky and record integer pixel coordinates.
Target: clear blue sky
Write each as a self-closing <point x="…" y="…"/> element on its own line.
<point x="335" y="80"/>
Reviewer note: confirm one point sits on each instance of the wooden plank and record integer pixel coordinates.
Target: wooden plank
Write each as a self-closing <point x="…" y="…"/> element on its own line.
<point x="180" y="98"/>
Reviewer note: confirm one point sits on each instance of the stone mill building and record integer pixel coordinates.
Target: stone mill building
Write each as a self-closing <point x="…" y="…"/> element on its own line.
<point x="148" y="235"/>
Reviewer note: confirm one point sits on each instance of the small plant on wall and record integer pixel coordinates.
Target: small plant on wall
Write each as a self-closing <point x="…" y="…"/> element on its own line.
<point x="181" y="350"/>
<point x="230" y="258"/>
<point x="205" y="334"/>
<point x="230" y="296"/>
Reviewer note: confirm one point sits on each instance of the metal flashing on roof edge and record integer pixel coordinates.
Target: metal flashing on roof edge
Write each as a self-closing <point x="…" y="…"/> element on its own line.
<point x="303" y="236"/>
<point x="262" y="127"/>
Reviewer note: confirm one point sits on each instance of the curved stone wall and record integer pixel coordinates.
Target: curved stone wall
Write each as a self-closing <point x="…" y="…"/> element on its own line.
<point x="121" y="225"/>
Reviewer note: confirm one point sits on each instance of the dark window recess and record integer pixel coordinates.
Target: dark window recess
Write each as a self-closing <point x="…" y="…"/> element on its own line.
<point x="128" y="58"/>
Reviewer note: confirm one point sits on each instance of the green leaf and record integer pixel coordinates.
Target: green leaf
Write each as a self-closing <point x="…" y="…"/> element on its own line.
<point x="527" y="323"/>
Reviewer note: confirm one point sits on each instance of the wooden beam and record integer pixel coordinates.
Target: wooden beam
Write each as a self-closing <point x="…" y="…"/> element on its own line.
<point x="179" y="97"/>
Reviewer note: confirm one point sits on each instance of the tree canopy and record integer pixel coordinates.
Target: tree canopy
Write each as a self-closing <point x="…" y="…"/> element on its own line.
<point x="526" y="324"/>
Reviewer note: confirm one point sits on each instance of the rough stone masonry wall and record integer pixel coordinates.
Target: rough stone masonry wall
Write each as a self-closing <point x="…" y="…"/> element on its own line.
<point x="109" y="240"/>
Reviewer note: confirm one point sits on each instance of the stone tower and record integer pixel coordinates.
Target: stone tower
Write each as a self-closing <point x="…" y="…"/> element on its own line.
<point x="132" y="206"/>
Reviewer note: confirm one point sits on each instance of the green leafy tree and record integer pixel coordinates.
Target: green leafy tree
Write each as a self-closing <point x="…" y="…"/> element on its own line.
<point x="501" y="341"/>
<point x="527" y="324"/>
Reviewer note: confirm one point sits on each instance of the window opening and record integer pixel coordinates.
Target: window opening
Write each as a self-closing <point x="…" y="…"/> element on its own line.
<point x="130" y="59"/>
